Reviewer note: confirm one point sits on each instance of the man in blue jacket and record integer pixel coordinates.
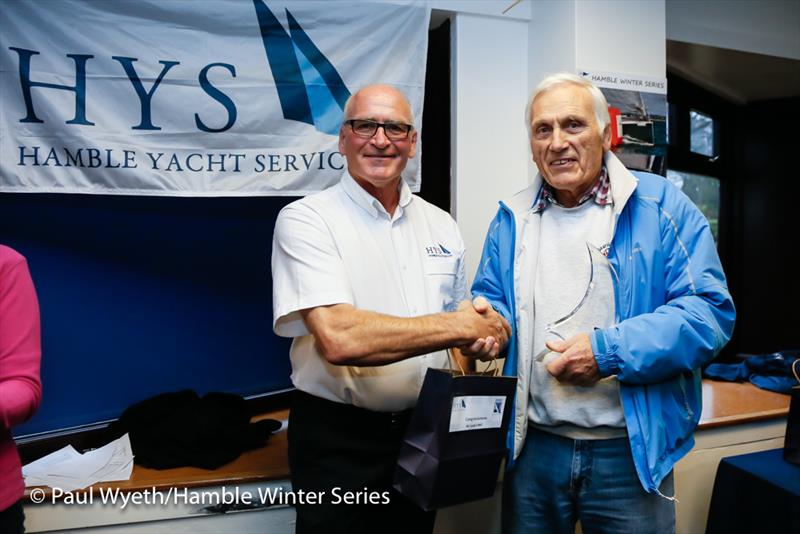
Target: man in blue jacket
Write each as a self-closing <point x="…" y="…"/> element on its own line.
<point x="608" y="397"/>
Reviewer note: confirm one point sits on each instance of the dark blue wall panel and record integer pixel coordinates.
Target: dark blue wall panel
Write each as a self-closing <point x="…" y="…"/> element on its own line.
<point x="142" y="295"/>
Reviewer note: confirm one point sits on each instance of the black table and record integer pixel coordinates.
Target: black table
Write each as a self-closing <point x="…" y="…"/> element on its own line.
<point x="757" y="492"/>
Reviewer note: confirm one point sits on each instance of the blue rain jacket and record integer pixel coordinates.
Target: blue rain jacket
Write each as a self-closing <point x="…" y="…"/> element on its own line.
<point x="673" y="311"/>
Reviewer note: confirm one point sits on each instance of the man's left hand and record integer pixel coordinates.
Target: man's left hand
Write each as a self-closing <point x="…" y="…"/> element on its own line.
<point x="576" y="364"/>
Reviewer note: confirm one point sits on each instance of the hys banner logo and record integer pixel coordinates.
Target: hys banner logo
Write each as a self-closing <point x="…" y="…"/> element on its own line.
<point x="216" y="98"/>
<point x="309" y="87"/>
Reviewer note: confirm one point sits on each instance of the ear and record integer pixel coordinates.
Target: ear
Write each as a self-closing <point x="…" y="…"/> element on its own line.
<point x="413" y="150"/>
<point x="607" y="138"/>
<point x="341" y="139"/>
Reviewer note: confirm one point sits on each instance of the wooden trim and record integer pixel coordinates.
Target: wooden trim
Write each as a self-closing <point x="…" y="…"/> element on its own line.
<point x="733" y="403"/>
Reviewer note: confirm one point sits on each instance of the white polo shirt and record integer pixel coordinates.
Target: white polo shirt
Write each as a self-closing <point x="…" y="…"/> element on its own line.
<point x="342" y="246"/>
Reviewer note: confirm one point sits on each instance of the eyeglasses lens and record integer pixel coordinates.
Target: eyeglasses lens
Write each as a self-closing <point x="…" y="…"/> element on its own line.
<point x="394" y="131"/>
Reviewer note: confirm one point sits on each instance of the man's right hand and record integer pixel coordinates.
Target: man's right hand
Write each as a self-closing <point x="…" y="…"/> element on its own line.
<point x="346" y="335"/>
<point x="491" y="329"/>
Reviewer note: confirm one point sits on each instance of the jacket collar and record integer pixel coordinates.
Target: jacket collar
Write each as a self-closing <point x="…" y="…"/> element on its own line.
<point x="623" y="184"/>
<point x="599" y="193"/>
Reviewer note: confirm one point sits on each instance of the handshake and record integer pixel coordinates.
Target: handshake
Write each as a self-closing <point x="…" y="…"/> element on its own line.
<point x="490" y="329"/>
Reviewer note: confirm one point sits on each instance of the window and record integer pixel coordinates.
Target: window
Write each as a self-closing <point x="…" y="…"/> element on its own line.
<point x="701" y="134"/>
<point x="698" y="140"/>
<point x="704" y="192"/>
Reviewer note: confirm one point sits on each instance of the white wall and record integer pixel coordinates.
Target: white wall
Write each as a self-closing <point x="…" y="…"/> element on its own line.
<point x="490" y="147"/>
<point x="551" y="36"/>
<point x="494" y="8"/>
<point x="621" y="36"/>
<point x="770" y="27"/>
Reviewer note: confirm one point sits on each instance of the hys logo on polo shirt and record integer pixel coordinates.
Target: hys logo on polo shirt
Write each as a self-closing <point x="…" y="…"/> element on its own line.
<point x="437" y="251"/>
<point x="309" y="87"/>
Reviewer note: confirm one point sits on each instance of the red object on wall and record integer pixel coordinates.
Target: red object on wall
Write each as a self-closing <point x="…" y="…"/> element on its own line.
<point x="616" y="126"/>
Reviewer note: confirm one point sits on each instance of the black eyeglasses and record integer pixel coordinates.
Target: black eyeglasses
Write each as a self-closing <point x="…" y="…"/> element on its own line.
<point x="396" y="131"/>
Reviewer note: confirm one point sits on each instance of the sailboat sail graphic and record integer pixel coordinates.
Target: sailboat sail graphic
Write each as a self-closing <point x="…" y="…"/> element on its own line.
<point x="309" y="87"/>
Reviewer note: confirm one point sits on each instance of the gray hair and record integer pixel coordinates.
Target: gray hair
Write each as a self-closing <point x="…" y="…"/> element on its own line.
<point x="599" y="102"/>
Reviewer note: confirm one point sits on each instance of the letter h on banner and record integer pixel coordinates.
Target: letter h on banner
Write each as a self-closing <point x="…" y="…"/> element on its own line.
<point x="79" y="88"/>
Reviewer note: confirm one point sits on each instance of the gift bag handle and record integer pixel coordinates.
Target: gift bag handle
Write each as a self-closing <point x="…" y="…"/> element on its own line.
<point x="492" y="365"/>
<point x="450" y="359"/>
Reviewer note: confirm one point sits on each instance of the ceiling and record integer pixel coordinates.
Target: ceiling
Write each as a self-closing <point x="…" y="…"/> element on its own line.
<point x="735" y="75"/>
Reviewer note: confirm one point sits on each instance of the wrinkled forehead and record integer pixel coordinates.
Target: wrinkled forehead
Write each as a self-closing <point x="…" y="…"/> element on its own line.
<point x="561" y="101"/>
<point x="381" y="105"/>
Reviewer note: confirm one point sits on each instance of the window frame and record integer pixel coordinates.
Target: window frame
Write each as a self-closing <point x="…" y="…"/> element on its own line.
<point x="683" y="97"/>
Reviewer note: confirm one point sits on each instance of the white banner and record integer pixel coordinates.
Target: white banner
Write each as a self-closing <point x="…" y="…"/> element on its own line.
<point x="627" y="82"/>
<point x="194" y="98"/>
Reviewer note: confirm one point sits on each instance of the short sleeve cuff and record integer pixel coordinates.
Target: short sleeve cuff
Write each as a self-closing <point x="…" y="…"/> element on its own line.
<point x="288" y="322"/>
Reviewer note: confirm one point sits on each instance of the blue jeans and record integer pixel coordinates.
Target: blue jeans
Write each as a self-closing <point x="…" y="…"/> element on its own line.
<point x="557" y="481"/>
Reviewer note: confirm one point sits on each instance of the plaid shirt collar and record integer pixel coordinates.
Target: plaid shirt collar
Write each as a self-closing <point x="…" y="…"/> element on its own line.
<point x="600" y="192"/>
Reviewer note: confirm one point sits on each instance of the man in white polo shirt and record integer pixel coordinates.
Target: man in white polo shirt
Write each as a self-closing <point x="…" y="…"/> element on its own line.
<point x="369" y="280"/>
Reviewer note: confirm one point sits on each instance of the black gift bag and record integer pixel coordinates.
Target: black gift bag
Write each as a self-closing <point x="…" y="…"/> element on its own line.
<point x="456" y="439"/>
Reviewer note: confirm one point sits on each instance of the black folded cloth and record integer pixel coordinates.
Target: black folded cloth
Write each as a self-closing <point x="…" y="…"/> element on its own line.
<point x="183" y="429"/>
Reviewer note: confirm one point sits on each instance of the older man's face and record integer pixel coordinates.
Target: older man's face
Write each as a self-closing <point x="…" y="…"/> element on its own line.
<point x="377" y="162"/>
<point x="566" y="141"/>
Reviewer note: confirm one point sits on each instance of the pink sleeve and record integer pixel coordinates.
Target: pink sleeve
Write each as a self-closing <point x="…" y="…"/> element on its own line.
<point x="20" y="344"/>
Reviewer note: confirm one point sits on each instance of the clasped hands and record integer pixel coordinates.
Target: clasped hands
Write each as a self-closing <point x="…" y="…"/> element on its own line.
<point x="574" y="365"/>
<point x="491" y="329"/>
